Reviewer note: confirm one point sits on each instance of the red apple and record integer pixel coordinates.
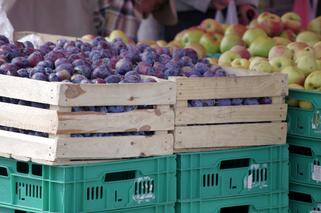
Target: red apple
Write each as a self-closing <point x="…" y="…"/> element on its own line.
<point x="289" y="34"/>
<point x="242" y="51"/>
<point x="237" y="29"/>
<point x="296" y="46"/>
<point x="292" y="21"/>
<point x="280" y="51"/>
<point x="271" y="23"/>
<point x="210" y="25"/>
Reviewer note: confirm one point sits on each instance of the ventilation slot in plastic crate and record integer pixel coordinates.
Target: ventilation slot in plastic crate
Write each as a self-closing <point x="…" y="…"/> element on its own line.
<point x="210" y="180"/>
<point x="144" y="188"/>
<point x="28" y="190"/>
<point x="95" y="193"/>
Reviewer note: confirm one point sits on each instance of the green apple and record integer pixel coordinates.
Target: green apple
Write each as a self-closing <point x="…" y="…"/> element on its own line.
<point x="313" y="81"/>
<point x="210" y="25"/>
<point x="210" y="42"/>
<point x="118" y="34"/>
<point x="256" y="60"/>
<point x="308" y="37"/>
<point x="305" y="105"/>
<point x="306" y="64"/>
<point x="292" y="21"/>
<point x="192" y="35"/>
<point x="227" y="58"/>
<point x="236" y="29"/>
<point x="315" y="25"/>
<point x="261" y="46"/>
<point x="200" y="50"/>
<point x="230" y="41"/>
<point x="240" y="63"/>
<point x="281" y="41"/>
<point x="179" y="36"/>
<point x="279" y="63"/>
<point x="262" y="66"/>
<point x="251" y="34"/>
<point x="308" y="51"/>
<point x="318" y="61"/>
<point x="280" y="51"/>
<point x="295" y="75"/>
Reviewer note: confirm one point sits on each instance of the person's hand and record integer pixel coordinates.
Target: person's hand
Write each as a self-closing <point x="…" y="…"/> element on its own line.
<point x="247" y="13"/>
<point x="219" y="4"/>
<point x="145" y="7"/>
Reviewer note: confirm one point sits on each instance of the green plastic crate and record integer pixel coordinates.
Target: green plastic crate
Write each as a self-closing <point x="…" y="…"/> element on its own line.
<point x="261" y="203"/>
<point x="232" y="172"/>
<point x="147" y="209"/>
<point x="304" y="198"/>
<point x="305" y="122"/>
<point x="305" y="160"/>
<point x="88" y="187"/>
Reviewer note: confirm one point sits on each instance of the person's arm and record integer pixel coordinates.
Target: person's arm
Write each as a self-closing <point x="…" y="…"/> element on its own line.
<point x="247" y="10"/>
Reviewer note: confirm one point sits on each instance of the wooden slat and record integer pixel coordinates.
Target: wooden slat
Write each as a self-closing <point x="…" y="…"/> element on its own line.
<point x="29" y="89"/>
<point x="114" y="147"/>
<point x="27" y="146"/>
<point x="230" y="114"/>
<point x="230" y="135"/>
<point x="29" y="118"/>
<point x="231" y="87"/>
<point x="45" y="37"/>
<point x="117" y="94"/>
<point x="137" y="120"/>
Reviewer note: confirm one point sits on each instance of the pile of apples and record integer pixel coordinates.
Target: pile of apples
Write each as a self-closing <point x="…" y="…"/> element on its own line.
<point x="269" y="44"/>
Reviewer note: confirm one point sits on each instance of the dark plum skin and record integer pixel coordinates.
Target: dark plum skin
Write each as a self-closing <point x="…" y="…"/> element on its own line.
<point x="35" y="58"/>
<point x="123" y="65"/>
<point x="63" y="75"/>
<point x="23" y="73"/>
<point x="9" y="69"/>
<point x="20" y="62"/>
<point x="251" y="101"/>
<point x="83" y="70"/>
<point x="132" y="77"/>
<point x="77" y="78"/>
<point x="101" y="71"/>
<point x="39" y="76"/>
<point x="223" y="102"/>
<point x="113" y="79"/>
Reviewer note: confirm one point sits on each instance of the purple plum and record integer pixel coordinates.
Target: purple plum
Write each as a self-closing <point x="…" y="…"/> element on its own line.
<point x="237" y="101"/>
<point x="223" y="102"/>
<point x="123" y="65"/>
<point x="40" y="76"/>
<point x="250" y="101"/>
<point x="113" y="79"/>
<point x="35" y="58"/>
<point x="77" y="78"/>
<point x="83" y="70"/>
<point x="265" y="100"/>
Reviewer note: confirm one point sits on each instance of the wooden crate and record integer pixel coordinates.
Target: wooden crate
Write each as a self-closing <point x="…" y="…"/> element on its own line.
<point x="199" y="128"/>
<point x="60" y="122"/>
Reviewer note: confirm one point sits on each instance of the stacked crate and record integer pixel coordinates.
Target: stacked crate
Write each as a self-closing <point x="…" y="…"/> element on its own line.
<point x="249" y="172"/>
<point x="305" y="151"/>
<point x="62" y="166"/>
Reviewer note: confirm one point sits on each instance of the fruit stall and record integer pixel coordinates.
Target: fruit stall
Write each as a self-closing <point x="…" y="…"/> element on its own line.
<point x="224" y="118"/>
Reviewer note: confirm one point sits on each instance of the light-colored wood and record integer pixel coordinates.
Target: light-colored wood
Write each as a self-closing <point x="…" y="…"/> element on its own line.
<point x="278" y="100"/>
<point x="117" y="94"/>
<point x="181" y="104"/>
<point x="114" y="147"/>
<point x="137" y="120"/>
<point x="231" y="87"/>
<point x="29" y="89"/>
<point x="61" y="150"/>
<point x="229" y="135"/>
<point x="27" y="146"/>
<point x="30" y="118"/>
<point x="45" y="37"/>
<point x="230" y="114"/>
